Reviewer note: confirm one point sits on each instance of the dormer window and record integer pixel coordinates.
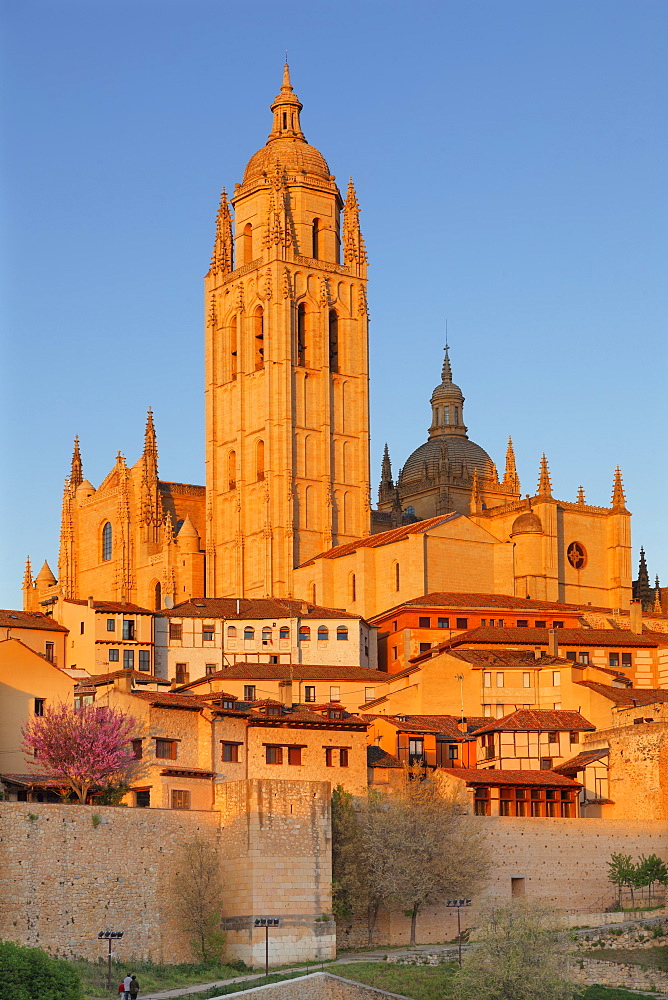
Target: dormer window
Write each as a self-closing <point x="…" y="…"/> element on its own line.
<point x="274" y="710"/>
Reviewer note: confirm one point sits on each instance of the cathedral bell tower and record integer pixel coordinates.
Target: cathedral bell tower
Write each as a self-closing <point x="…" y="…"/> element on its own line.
<point x="287" y="424"/>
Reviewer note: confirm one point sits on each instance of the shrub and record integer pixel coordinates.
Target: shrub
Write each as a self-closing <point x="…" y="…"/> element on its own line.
<point x="31" y="974"/>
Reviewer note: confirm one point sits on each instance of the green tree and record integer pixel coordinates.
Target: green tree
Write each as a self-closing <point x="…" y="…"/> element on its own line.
<point x="522" y="955"/>
<point x="31" y="974"/>
<point x="650" y="871"/>
<point x="196" y="898"/>
<point x="623" y="873"/>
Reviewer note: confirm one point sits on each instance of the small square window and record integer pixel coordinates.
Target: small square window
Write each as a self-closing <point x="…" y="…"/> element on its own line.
<point x="137" y="749"/>
<point x="424" y="622"/>
<point x="180" y="800"/>
<point x="294" y="755"/>
<point x="500" y="680"/>
<point x="128" y="630"/>
<point x="369" y="694"/>
<point x="444" y="623"/>
<point x="553" y="737"/>
<point x="483" y="622"/>
<point x="613" y="659"/>
<point x="165" y="749"/>
<point x="145" y="660"/>
<point x="249" y="692"/>
<point x="556" y="678"/>
<point x="557" y="624"/>
<point x="583" y="657"/>
<point x="274" y="755"/>
<point x="111" y="624"/>
<point x="113" y="656"/>
<point x="546" y="763"/>
<point x="541" y="624"/>
<point x="175" y="630"/>
<point x="335" y="694"/>
<point x="231" y="753"/>
<point x="571" y="655"/>
<point x="462" y="623"/>
<point x="309" y="692"/>
<point x="210" y="668"/>
<point x="626" y="660"/>
<point x="207" y="634"/>
<point x="523" y="624"/>
<point x="343" y="757"/>
<point x="39" y="706"/>
<point x="575" y="737"/>
<point x="453" y="751"/>
<point x="425" y="647"/>
<point x="143" y="798"/>
<point x="487" y="679"/>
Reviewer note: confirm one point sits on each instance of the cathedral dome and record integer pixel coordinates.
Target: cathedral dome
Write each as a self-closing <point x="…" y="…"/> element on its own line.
<point x="293" y="155"/>
<point x="459" y="453"/>
<point x="527" y="524"/>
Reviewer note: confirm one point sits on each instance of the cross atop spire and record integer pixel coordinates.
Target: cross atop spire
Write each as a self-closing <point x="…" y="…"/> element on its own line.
<point x="446" y="371"/>
<point x="76" y="475"/>
<point x="286" y="108"/>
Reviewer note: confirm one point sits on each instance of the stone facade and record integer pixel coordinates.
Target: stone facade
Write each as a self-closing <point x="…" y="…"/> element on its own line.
<point x="65" y="875"/>
<point x="637" y="767"/>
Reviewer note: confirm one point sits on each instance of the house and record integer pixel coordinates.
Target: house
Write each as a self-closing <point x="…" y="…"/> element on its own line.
<point x="106" y="635"/>
<point x="530" y="740"/>
<point x="429" y="741"/>
<point x="540" y="794"/>
<point x="37" y="631"/>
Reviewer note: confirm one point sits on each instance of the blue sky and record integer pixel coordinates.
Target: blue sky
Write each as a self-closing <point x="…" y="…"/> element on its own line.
<point x="510" y="162"/>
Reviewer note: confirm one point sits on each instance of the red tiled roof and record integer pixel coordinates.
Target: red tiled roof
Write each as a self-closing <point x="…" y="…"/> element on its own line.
<point x="565" y="637"/>
<point x="298" y="672"/>
<point x="253" y="608"/>
<point x="301" y="716"/>
<point x="112" y="607"/>
<point x="538" y="720"/>
<point x="384" y="537"/>
<point x="169" y="700"/>
<point x="29" y="619"/>
<point x="523" y="657"/>
<point x="444" y="600"/>
<point x="488" y="776"/>
<point x="627" y="696"/>
<point x="441" y="725"/>
<point x="138" y="677"/>
<point x="186" y="772"/>
<point x="580" y="762"/>
<point x="375" y="757"/>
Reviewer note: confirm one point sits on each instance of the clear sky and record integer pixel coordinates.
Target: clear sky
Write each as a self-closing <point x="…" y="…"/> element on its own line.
<point x="510" y="162"/>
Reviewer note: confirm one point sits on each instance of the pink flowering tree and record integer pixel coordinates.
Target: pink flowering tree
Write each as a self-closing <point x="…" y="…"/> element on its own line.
<point x="85" y="746"/>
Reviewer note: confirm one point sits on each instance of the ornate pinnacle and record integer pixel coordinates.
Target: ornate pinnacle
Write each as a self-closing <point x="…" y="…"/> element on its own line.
<point x="510" y="478"/>
<point x="446" y="370"/>
<point x="657" y="598"/>
<point x="544" y="484"/>
<point x="581" y="495"/>
<point x="76" y="475"/>
<point x="222" y="257"/>
<point x="386" y="467"/>
<point x="476" y="499"/>
<point x="618" y="498"/>
<point x="354" y="251"/>
<point x="27" y="576"/>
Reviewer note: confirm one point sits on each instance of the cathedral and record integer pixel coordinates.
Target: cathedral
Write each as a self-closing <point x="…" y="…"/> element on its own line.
<point x="286" y="508"/>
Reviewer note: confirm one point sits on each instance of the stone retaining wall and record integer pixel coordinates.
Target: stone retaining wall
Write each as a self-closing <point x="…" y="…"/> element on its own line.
<point x="317" y="986"/>
<point x="590" y="972"/>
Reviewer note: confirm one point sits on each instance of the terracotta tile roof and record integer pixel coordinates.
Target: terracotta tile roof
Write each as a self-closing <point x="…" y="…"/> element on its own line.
<point x="565" y="637"/>
<point x="488" y="776"/>
<point x="42" y="780"/>
<point x="627" y="696"/>
<point x="384" y="537"/>
<point x="524" y="657"/>
<point x="474" y="722"/>
<point x="301" y="716"/>
<point x="29" y="619"/>
<point x="298" y="671"/>
<point x="538" y="720"/>
<point x="375" y="757"/>
<point x="440" y="725"/>
<point x="579" y="763"/>
<point x="254" y="608"/>
<point x="169" y="700"/>
<point x="138" y="677"/>
<point x="186" y="772"/>
<point x="112" y="607"/>
<point x="444" y="600"/>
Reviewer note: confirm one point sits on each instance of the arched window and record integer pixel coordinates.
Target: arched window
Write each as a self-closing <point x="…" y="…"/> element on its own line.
<point x="232" y="470"/>
<point x="323" y="633"/>
<point x="342" y="633"/>
<point x="157" y="600"/>
<point x="249" y="633"/>
<point x="284" y="632"/>
<point x="266" y="636"/>
<point x="106" y="542"/>
<point x="397" y="576"/>
<point x="234" y="353"/>
<point x="315" y="239"/>
<point x="259" y="461"/>
<point x="304" y="633"/>
<point x="333" y="341"/>
<point x="312" y="591"/>
<point x="301" y="334"/>
<point x="446" y="415"/>
<point x="258" y="324"/>
<point x="247" y="243"/>
<point x="231" y="632"/>
<point x="353" y="587"/>
<point x="456" y="416"/>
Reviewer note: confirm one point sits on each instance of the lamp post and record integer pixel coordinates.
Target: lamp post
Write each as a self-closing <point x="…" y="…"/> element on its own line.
<point x="109" y="936"/>
<point x="266" y="922"/>
<point x="458" y="903"/>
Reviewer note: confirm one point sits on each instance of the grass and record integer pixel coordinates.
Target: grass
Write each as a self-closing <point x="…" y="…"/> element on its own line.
<point x="152" y="976"/>
<point x="649" y="958"/>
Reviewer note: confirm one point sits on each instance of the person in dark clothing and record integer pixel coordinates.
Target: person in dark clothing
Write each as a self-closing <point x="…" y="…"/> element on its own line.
<point x="134" y="988"/>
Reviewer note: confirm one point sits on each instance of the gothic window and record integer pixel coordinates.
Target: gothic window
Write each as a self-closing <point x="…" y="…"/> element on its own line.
<point x="315" y="238"/>
<point x="333" y="341"/>
<point x="397" y="575"/>
<point x="259" y="461"/>
<point x="234" y="355"/>
<point x="353" y="587"/>
<point x="248" y="243"/>
<point x="258" y="324"/>
<point x="232" y="470"/>
<point x="158" y="597"/>
<point x="577" y="555"/>
<point x="312" y="592"/>
<point x="309" y="507"/>
<point x="301" y="335"/>
<point x="106" y="542"/>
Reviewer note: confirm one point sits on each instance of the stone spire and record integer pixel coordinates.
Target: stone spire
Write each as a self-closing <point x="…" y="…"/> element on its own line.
<point x="76" y="475"/>
<point x="150" y="499"/>
<point x="544" y="484"/>
<point x="150" y="446"/>
<point x="27" y="576"/>
<point x="581" y="495"/>
<point x="657" y="598"/>
<point x="641" y="589"/>
<point x="511" y="480"/>
<point x="286" y="108"/>
<point x="618" y="498"/>
<point x="386" y="488"/>
<point x="476" y="498"/>
<point x="446" y="370"/>
<point x="354" y="251"/>
<point x="222" y="259"/>
<point x="447" y="405"/>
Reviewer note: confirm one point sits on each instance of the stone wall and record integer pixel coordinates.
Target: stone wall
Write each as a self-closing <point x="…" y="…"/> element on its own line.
<point x="68" y="872"/>
<point x="590" y="972"/>
<point x="317" y="986"/>
<point x="638" y="767"/>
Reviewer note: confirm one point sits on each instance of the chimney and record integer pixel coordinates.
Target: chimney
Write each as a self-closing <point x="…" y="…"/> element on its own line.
<point x="537" y="652"/>
<point x="304" y="608"/>
<point x="552" y="642"/>
<point x="238" y="606"/>
<point x="123" y="682"/>
<point x="636" y="617"/>
<point x="286" y="692"/>
<point x="91" y="602"/>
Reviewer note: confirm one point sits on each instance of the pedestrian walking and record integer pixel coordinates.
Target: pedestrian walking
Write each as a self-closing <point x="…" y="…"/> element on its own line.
<point x="134" y="988"/>
<point x="127" y="982"/>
